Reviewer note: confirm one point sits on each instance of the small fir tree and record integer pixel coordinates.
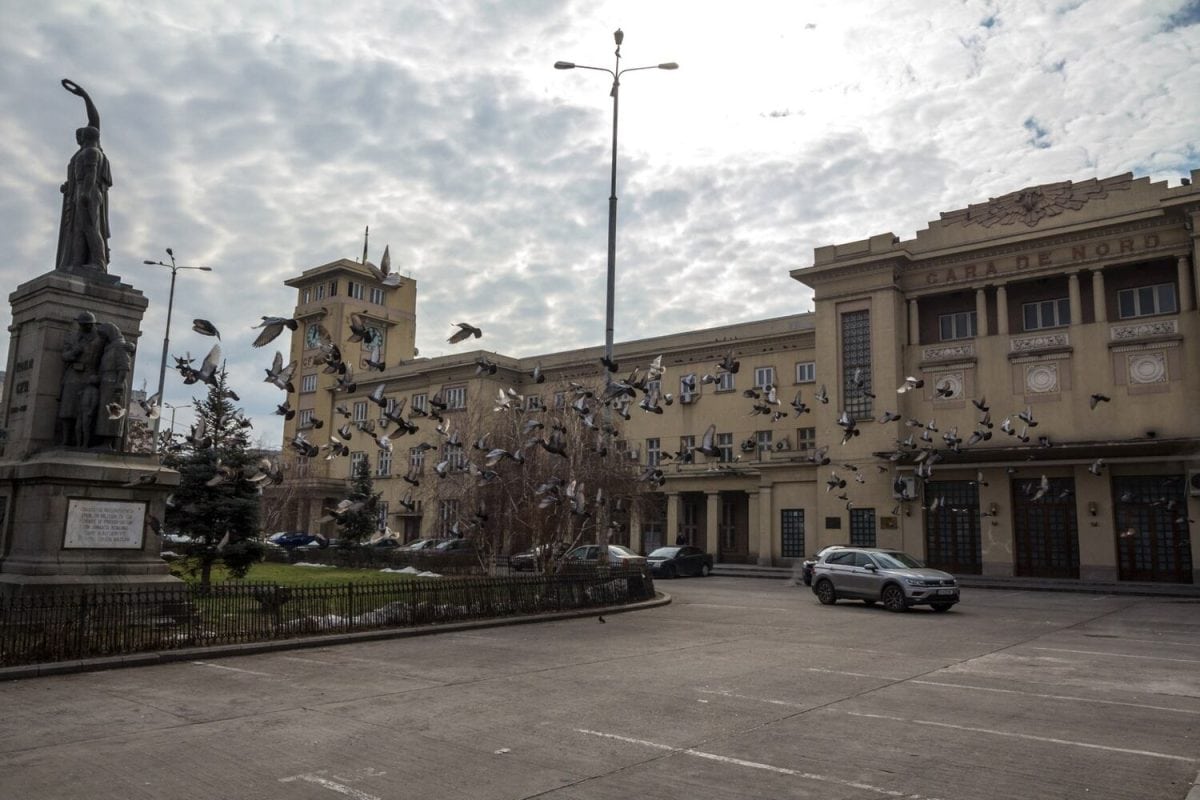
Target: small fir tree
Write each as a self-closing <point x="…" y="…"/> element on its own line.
<point x="214" y="503"/>
<point x="362" y="520"/>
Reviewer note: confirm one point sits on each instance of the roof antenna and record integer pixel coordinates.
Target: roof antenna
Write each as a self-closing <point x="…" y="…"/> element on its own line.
<point x="366" y="235"/>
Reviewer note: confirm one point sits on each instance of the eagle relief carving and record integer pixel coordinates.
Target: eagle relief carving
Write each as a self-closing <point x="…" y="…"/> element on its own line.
<point x="1033" y="204"/>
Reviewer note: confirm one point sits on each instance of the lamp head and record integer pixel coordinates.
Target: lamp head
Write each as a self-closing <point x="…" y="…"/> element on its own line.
<point x="151" y="263"/>
<point x="170" y="252"/>
<point x="564" y="65"/>
<point x="618" y="36"/>
<point x="668" y="65"/>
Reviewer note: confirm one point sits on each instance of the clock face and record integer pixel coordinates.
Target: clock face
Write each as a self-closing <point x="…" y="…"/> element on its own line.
<point x="373" y="339"/>
<point x="312" y="336"/>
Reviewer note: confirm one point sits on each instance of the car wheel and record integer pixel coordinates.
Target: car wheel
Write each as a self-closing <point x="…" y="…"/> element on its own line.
<point x="941" y="607"/>
<point x="826" y="593"/>
<point x="868" y="603"/>
<point x="893" y="598"/>
<point x="668" y="572"/>
<point x="705" y="570"/>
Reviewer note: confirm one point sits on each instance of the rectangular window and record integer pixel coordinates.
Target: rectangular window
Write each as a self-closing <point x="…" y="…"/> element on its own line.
<point x="957" y="326"/>
<point x="763" y="377"/>
<point x="305" y="295"/>
<point x="383" y="464"/>
<point x="354" y="290"/>
<point x="333" y="288"/>
<point x="724" y="382"/>
<point x="360" y="411"/>
<point x="806" y="439"/>
<point x="1146" y="301"/>
<point x="356" y="458"/>
<point x="856" y="361"/>
<point x="862" y="527"/>
<point x="304" y="417"/>
<point x="653" y="452"/>
<point x="381" y="508"/>
<point x="308" y="383"/>
<point x="456" y="397"/>
<point x="320" y="291"/>
<point x="806" y="372"/>
<point x="420" y="402"/>
<point x="447" y="516"/>
<point x="762" y="442"/>
<point x="791" y="528"/>
<point x="725" y="445"/>
<point x="1047" y="314"/>
<point x="687" y="446"/>
<point x="689" y="387"/>
<point x="416" y="459"/>
<point x="533" y="403"/>
<point x="560" y="401"/>
<point x="377" y="295"/>
<point x="456" y="455"/>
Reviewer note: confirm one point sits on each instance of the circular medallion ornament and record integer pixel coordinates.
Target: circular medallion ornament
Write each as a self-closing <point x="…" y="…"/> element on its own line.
<point x="1041" y="378"/>
<point x="949" y="386"/>
<point x="1147" y="368"/>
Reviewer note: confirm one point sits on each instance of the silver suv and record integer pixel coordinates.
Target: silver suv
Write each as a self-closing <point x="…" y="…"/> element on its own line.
<point x="875" y="575"/>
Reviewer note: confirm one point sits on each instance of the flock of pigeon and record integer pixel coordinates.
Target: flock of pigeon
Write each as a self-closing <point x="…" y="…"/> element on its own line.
<point x="593" y="409"/>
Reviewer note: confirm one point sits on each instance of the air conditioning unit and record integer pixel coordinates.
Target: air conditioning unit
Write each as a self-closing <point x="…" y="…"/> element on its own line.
<point x="748" y="446"/>
<point x="904" y="488"/>
<point x="1193" y="483"/>
<point x="783" y="444"/>
<point x="687" y="398"/>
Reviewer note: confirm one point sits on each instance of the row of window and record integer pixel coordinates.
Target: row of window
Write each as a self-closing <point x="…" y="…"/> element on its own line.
<point x="791" y="527"/>
<point x="455" y="398"/>
<point x="354" y="290"/>
<point x="806" y="439"/>
<point x="1144" y="301"/>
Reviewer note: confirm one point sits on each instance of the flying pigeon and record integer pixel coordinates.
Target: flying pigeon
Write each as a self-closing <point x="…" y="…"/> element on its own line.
<point x="205" y="328"/>
<point x="465" y="331"/>
<point x="271" y="328"/>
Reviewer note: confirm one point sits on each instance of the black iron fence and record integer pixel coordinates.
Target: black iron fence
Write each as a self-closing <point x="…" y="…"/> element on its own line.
<point x="61" y="627"/>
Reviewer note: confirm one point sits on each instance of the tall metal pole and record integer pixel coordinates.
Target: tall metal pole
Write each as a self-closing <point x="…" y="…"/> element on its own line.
<point x="612" y="213"/>
<point x="162" y="367"/>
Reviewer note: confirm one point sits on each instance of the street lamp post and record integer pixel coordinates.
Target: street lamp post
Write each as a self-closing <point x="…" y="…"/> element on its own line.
<point x="173" y="410"/>
<point x="162" y="367"/>
<point x="616" y="72"/>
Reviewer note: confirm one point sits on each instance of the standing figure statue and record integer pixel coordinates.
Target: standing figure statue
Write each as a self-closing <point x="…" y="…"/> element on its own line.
<point x="80" y="394"/>
<point x="116" y="362"/>
<point x="83" y="230"/>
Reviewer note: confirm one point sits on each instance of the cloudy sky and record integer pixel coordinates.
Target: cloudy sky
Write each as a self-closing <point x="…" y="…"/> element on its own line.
<point x="260" y="139"/>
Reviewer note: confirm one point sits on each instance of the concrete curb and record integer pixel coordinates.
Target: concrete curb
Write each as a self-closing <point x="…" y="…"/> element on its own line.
<point x="251" y="648"/>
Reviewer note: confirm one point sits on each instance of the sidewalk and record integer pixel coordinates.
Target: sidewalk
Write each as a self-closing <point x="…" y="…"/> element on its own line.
<point x="1184" y="590"/>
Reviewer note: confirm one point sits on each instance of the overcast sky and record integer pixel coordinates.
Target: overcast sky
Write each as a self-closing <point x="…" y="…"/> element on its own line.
<point x="260" y="139"/>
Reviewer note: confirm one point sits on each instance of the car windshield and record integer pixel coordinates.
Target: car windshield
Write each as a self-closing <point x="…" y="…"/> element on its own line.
<point x="664" y="552"/>
<point x="616" y="548"/>
<point x="895" y="560"/>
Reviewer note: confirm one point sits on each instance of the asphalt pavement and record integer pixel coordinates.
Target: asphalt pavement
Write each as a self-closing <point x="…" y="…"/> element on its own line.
<point x="736" y="689"/>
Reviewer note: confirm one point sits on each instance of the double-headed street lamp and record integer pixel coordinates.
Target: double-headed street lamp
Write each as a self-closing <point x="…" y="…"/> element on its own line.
<point x="616" y="73"/>
<point x="162" y="368"/>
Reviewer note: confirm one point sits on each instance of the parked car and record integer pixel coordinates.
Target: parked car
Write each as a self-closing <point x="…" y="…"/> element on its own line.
<point x="807" y="567"/>
<point x="420" y="544"/>
<point x="464" y="548"/>
<point x="670" y="562"/>
<point x="617" y="555"/>
<point x="875" y="575"/>
<point x="528" y="560"/>
<point x="293" y="539"/>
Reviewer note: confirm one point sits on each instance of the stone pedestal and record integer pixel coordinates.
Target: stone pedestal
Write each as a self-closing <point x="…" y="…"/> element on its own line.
<point x="71" y="518"/>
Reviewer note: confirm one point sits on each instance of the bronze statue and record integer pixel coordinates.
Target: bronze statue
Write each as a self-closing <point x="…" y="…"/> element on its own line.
<point x="116" y="362"/>
<point x="83" y="230"/>
<point x="80" y="395"/>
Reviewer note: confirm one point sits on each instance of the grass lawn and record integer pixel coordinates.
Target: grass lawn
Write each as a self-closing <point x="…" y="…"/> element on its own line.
<point x="293" y="575"/>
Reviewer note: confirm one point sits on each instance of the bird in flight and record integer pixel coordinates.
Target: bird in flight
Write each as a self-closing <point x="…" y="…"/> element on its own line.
<point x="465" y="331"/>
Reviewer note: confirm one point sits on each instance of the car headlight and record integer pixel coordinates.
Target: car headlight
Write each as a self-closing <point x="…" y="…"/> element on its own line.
<point x="915" y="581"/>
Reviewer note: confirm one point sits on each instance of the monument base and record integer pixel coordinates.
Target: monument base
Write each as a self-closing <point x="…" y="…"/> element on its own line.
<point x="73" y="520"/>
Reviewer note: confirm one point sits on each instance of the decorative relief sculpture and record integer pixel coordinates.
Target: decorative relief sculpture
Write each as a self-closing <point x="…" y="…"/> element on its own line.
<point x="1041" y="378"/>
<point x="1147" y="367"/>
<point x="1043" y="342"/>
<point x="948" y="352"/>
<point x="92" y="400"/>
<point x="1142" y="330"/>
<point x="1033" y="204"/>
<point x="948" y="385"/>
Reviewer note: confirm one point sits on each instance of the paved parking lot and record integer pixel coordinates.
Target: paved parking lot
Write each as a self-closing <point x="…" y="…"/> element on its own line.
<point x="738" y="689"/>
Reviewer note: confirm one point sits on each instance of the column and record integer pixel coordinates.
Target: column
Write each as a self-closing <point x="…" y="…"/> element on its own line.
<point x="1099" y="301"/>
<point x="635" y="532"/>
<point x="1073" y="298"/>
<point x="1196" y="281"/>
<point x="1187" y="295"/>
<point x="1002" y="310"/>
<point x="766" y="526"/>
<point x="981" y="318"/>
<point x="914" y="323"/>
<point x="672" y="530"/>
<point x="712" y="512"/>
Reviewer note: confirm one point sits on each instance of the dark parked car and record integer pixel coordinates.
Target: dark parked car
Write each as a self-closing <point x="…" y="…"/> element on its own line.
<point x="528" y="560"/>
<point x="293" y="539"/>
<point x="455" y="548"/>
<point x="671" y="562"/>
<point x="618" y="556"/>
<point x="874" y="575"/>
<point x="809" y="562"/>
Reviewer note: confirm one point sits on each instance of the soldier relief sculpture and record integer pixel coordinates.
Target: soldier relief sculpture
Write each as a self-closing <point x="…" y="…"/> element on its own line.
<point x="97" y="361"/>
<point x="83" y="230"/>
